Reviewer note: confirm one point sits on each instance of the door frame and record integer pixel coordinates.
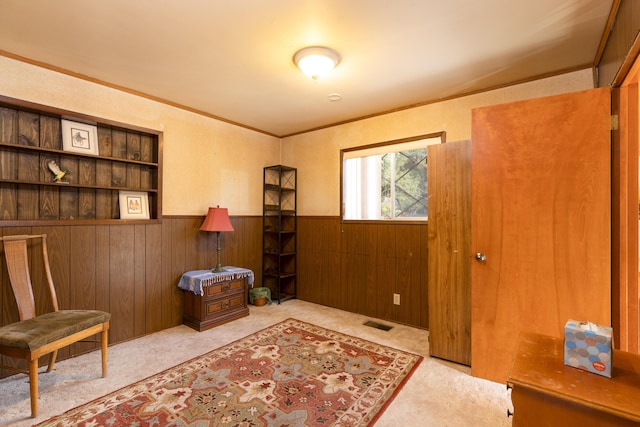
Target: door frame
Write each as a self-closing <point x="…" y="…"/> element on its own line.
<point x="625" y="292"/>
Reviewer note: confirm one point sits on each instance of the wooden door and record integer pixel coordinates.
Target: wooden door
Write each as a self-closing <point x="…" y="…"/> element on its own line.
<point x="541" y="180"/>
<point x="449" y="243"/>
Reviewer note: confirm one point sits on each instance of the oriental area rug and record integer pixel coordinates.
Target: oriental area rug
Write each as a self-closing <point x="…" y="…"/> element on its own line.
<point x="290" y="374"/>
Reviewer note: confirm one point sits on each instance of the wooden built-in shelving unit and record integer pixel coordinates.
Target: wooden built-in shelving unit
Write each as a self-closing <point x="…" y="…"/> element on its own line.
<point x="30" y="137"/>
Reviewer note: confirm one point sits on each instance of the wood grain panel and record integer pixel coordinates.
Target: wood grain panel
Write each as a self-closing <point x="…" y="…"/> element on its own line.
<point x="408" y="282"/>
<point x="122" y="282"/>
<point x="8" y="163"/>
<point x="28" y="134"/>
<point x="8" y="130"/>
<point x="86" y="196"/>
<point x="449" y="277"/>
<point x="146" y="155"/>
<point x="60" y="249"/>
<point x="139" y="280"/>
<point x="69" y="200"/>
<point x="111" y="207"/>
<point x="167" y="275"/>
<point x="386" y="272"/>
<point x="541" y="185"/>
<point x="179" y="265"/>
<point x="204" y="244"/>
<point x="133" y="152"/>
<point x="620" y="40"/>
<point x="103" y="272"/>
<point x="354" y="279"/>
<point x="153" y="278"/>
<point x="70" y="197"/>
<point x="424" y="277"/>
<point x="82" y="275"/>
<point x="229" y="244"/>
<point x="307" y="273"/>
<point x="49" y="138"/>
<point x="119" y="170"/>
<point x="349" y="268"/>
<point x="320" y="269"/>
<point x="252" y="242"/>
<point x="104" y="198"/>
<point x="339" y="266"/>
<point x="625" y="289"/>
<point x="86" y="203"/>
<point x="82" y="268"/>
<point x="370" y="302"/>
<point x="73" y="165"/>
<point x="332" y="235"/>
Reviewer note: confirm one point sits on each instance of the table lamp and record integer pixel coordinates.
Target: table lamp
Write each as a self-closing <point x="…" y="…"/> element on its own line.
<point x="217" y="220"/>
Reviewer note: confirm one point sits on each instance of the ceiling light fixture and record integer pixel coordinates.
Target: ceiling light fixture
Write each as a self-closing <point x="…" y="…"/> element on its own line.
<point x="316" y="61"/>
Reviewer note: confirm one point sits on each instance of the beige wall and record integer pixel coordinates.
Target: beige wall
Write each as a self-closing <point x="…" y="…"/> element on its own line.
<point x="209" y="162"/>
<point x="317" y="154"/>
<point x="206" y="162"/>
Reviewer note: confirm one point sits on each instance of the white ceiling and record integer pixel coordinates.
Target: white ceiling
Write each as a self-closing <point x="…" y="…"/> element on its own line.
<point x="233" y="58"/>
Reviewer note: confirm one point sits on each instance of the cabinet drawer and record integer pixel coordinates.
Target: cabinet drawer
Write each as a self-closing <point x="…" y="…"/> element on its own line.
<point x="213" y="308"/>
<point x="222" y="288"/>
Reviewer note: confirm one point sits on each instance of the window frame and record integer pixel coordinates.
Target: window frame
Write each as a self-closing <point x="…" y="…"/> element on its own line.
<point x="442" y="135"/>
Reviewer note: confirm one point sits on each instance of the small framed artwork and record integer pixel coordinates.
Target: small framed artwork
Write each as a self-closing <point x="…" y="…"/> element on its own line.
<point x="79" y="137"/>
<point x="134" y="205"/>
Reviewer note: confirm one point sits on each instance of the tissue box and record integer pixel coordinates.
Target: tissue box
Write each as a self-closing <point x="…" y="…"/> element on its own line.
<point x="588" y="346"/>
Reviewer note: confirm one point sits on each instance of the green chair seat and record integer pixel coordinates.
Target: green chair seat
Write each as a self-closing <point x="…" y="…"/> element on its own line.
<point x="44" y="329"/>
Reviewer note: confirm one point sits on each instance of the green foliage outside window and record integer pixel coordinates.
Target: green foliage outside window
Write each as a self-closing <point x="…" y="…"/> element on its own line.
<point x="404" y="184"/>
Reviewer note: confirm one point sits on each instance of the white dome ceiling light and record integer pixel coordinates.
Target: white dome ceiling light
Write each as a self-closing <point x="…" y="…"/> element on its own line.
<point x="316" y="61"/>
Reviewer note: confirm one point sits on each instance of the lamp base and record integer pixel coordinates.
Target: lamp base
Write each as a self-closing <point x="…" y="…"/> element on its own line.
<point x="218" y="267"/>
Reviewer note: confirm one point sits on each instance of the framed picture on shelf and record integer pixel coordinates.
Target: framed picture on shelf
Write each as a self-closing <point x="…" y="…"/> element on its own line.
<point x="134" y="205"/>
<point x="79" y="137"/>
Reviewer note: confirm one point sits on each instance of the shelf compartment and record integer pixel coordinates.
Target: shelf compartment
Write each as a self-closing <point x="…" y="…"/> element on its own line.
<point x="72" y="185"/>
<point x="19" y="147"/>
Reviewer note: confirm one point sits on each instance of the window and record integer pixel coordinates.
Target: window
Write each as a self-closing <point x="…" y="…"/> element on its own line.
<point x="387" y="180"/>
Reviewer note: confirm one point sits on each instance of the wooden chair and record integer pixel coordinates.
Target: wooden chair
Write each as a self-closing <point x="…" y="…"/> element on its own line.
<point x="37" y="335"/>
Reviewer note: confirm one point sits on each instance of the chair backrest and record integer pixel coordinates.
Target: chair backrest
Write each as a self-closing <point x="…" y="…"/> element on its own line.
<point x="16" y="256"/>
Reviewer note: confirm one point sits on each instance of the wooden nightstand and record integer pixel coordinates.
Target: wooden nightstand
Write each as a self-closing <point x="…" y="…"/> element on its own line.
<point x="547" y="392"/>
<point x="214" y="298"/>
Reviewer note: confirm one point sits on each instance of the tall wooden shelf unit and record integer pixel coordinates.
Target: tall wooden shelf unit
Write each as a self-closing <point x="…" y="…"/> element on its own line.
<point x="279" y="225"/>
<point x="31" y="136"/>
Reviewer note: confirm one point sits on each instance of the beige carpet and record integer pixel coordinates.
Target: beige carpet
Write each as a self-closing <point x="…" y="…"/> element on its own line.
<point x="438" y="394"/>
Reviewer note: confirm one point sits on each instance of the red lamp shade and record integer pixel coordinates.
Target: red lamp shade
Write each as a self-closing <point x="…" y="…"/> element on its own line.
<point x="217" y="220"/>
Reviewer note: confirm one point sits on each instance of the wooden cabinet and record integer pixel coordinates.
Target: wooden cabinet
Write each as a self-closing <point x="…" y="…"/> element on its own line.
<point x="222" y="302"/>
<point x="279" y="224"/>
<point x="547" y="392"/>
<point x="31" y="137"/>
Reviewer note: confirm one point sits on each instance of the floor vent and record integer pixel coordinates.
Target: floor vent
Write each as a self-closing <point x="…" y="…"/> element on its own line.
<point x="378" y="325"/>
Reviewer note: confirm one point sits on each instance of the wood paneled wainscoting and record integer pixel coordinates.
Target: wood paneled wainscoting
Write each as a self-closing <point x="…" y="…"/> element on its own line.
<point x="358" y="266"/>
<point x="131" y="271"/>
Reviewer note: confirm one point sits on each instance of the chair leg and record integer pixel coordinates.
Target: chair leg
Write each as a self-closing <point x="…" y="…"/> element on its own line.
<point x="104" y="339"/>
<point x="52" y="360"/>
<point x="33" y="386"/>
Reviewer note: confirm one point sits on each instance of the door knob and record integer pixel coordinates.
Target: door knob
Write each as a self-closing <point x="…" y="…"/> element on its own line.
<point x="480" y="257"/>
